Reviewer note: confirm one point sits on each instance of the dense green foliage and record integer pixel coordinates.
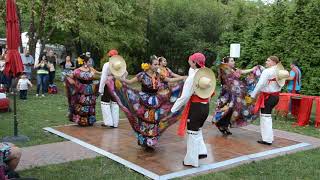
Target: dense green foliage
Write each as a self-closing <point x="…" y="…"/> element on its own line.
<point x="175" y="29"/>
<point x="179" y="29"/>
<point x="290" y="30"/>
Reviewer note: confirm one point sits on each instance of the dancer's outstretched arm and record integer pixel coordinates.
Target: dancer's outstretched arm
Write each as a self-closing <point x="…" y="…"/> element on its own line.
<point x="173" y="74"/>
<point x="246" y="71"/>
<point x="95" y="71"/>
<point x="181" y="78"/>
<point x="130" y="81"/>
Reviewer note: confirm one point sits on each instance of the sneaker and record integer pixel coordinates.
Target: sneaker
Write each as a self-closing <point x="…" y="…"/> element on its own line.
<point x="43" y="95"/>
<point x="37" y="95"/>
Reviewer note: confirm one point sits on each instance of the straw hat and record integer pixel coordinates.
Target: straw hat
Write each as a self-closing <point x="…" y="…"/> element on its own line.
<point x="282" y="74"/>
<point x="117" y="65"/>
<point x="204" y="83"/>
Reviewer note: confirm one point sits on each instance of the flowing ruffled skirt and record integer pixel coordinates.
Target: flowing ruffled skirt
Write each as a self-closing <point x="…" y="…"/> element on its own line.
<point x="234" y="105"/>
<point x="149" y="114"/>
<point x="82" y="101"/>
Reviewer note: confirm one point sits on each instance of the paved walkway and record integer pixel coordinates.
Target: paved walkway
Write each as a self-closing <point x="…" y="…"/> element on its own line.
<point x="66" y="151"/>
<point x="54" y="153"/>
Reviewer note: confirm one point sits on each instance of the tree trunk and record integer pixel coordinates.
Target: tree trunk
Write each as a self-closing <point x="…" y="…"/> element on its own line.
<point x="36" y="34"/>
<point x="31" y="33"/>
<point x="43" y="40"/>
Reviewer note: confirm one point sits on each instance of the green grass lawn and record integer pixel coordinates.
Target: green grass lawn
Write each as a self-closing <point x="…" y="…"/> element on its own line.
<point x="35" y="113"/>
<point x="39" y="112"/>
<point x="301" y="165"/>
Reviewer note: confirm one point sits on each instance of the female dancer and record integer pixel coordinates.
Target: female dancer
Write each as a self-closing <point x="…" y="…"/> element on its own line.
<point x="164" y="71"/>
<point x="82" y="91"/>
<point x="234" y="105"/>
<point x="148" y="110"/>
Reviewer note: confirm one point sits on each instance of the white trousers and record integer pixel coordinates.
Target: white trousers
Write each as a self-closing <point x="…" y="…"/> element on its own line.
<point x="192" y="156"/>
<point x="202" y="145"/>
<point x="110" y="113"/>
<point x="115" y="113"/>
<point x="106" y="113"/>
<point x="266" y="127"/>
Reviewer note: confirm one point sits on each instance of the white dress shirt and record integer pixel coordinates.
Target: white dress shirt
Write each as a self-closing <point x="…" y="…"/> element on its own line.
<point x="187" y="91"/>
<point x="264" y="85"/>
<point x="105" y="73"/>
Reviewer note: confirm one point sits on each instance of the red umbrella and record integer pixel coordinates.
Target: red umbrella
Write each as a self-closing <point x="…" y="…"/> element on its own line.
<point x="13" y="59"/>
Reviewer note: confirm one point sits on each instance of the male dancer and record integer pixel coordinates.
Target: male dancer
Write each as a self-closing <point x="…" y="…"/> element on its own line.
<point x="269" y="86"/>
<point x="109" y="106"/>
<point x="195" y="113"/>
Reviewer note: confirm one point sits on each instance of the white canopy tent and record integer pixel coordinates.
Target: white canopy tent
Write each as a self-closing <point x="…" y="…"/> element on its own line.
<point x="25" y="40"/>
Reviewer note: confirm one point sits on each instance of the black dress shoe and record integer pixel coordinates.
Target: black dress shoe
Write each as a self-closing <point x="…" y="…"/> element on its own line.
<point x="103" y="125"/>
<point x="222" y="130"/>
<point x="228" y="131"/>
<point x="265" y="143"/>
<point x="187" y="164"/>
<point x="202" y="156"/>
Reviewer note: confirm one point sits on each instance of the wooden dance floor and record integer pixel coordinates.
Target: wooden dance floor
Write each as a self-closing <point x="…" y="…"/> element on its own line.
<point x="165" y="162"/>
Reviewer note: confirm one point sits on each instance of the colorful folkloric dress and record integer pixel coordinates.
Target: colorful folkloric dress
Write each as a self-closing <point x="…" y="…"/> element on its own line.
<point x="82" y="91"/>
<point x="165" y="73"/>
<point x="148" y="110"/>
<point x="234" y="106"/>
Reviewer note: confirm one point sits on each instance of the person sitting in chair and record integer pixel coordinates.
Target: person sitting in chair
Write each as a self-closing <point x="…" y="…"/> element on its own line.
<point x="9" y="159"/>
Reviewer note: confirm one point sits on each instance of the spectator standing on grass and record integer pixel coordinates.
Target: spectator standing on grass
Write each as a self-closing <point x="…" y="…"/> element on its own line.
<point x="3" y="79"/>
<point x="91" y="61"/>
<point x="67" y="68"/>
<point x="52" y="60"/>
<point x="28" y="62"/>
<point x="294" y="81"/>
<point x="23" y="86"/>
<point x="42" y="75"/>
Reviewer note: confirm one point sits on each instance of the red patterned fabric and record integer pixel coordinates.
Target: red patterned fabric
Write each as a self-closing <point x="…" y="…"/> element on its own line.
<point x="185" y="113"/>
<point x="317" y="120"/>
<point x="112" y="52"/>
<point x="305" y="111"/>
<point x="198" y="58"/>
<point x="261" y="99"/>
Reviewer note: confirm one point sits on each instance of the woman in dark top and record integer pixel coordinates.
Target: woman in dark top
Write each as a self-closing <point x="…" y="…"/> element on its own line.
<point x="42" y="75"/>
<point x="67" y="67"/>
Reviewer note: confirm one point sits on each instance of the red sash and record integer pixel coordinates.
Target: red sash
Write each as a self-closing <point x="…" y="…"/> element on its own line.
<point x="263" y="96"/>
<point x="185" y="113"/>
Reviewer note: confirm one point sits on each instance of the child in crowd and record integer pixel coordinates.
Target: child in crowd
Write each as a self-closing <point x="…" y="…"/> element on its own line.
<point x="23" y="85"/>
